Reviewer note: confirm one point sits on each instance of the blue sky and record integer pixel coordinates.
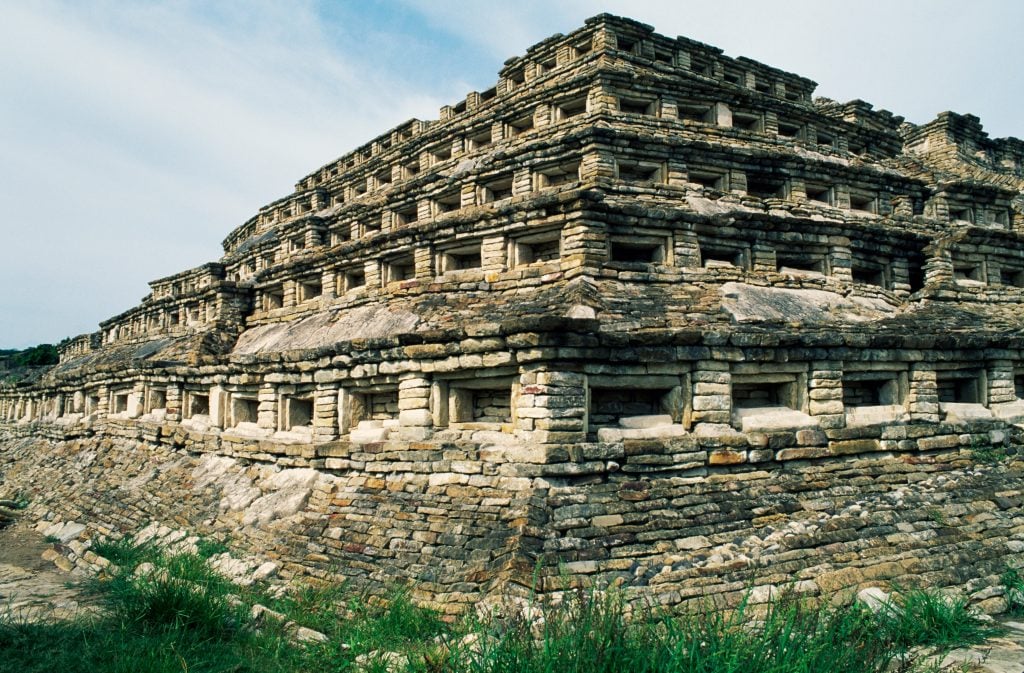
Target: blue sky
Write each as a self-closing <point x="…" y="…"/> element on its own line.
<point x="135" y="135"/>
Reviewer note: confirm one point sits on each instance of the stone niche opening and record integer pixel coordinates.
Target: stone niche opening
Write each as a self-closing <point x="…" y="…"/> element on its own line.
<point x="697" y="112"/>
<point x="296" y="417"/>
<point x="197" y="404"/>
<point x="874" y="396"/>
<point x="639" y="248"/>
<point x="766" y="186"/>
<point x="807" y="260"/>
<point x="155" y="404"/>
<point x="788" y="130"/>
<point x="1011" y="276"/>
<point x="875" y="272"/>
<point x="309" y="289"/>
<point x="570" y="108"/>
<point x="969" y="272"/>
<point x="398" y="269"/>
<point x="748" y="121"/>
<point x="350" y="280"/>
<point x="517" y="127"/>
<point x="406" y="214"/>
<point x="273" y="298"/>
<point x="466" y="257"/>
<point x="961" y="214"/>
<point x="478" y="140"/>
<point x="369" y="415"/>
<point x="638" y="106"/>
<point x="717" y="255"/>
<point x="715" y="181"/>
<point x="120" y="402"/>
<point x="447" y="203"/>
<point x="496" y="189"/>
<point x="554" y="176"/>
<point x="481" y="403"/>
<point x="92" y="403"/>
<point x="639" y="172"/>
<point x="245" y="411"/>
<point x="157" y="399"/>
<point x="540" y="248"/>
<point x="820" y="193"/>
<point x="962" y="393"/>
<point x="636" y="407"/>
<point x="864" y="202"/>
<point x="767" y="399"/>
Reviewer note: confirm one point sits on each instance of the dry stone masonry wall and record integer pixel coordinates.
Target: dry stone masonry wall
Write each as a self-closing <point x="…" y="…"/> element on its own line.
<point x="639" y="313"/>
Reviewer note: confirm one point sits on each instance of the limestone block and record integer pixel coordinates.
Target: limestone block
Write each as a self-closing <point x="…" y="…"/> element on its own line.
<point x="415" y="417"/>
<point x="963" y="412"/>
<point x="711" y="402"/>
<point x="820" y="408"/>
<point x="368" y="431"/>
<point x="875" y="415"/>
<point x="1012" y="412"/>
<point x="772" y="419"/>
<point x="653" y="432"/>
<point x="636" y="422"/>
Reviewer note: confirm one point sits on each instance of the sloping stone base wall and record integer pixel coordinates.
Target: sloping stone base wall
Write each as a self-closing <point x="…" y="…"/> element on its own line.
<point x="461" y="527"/>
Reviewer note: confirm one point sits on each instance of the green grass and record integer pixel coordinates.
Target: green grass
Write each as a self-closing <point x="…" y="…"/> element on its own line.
<point x="989" y="454"/>
<point x="126" y="552"/>
<point x="1013" y="585"/>
<point x="182" y="616"/>
<point x="930" y="618"/>
<point x="594" y="634"/>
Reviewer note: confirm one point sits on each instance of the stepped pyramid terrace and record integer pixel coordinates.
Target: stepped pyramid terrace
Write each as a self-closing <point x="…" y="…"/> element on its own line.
<point x="640" y="312"/>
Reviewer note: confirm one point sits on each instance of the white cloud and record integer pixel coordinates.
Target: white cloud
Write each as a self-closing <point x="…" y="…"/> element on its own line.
<point x="140" y="135"/>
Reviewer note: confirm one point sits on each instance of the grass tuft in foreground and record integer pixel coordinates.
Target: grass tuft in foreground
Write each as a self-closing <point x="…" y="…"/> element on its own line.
<point x="1013" y="585"/>
<point x="922" y="617"/>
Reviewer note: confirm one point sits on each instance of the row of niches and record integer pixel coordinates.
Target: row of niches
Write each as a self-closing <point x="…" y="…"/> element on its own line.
<point x="437" y="156"/>
<point x="710" y="181"/>
<point x="523" y="257"/>
<point x="607" y="406"/>
<point x="857" y="193"/>
<point x="710" y="253"/>
<point x="657" y="50"/>
<point x="182" y="316"/>
<point x="516" y="78"/>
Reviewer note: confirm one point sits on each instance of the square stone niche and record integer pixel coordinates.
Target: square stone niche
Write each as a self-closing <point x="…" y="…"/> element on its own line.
<point x="637" y="407"/>
<point x="873" y="396"/>
<point x="767" y="399"/>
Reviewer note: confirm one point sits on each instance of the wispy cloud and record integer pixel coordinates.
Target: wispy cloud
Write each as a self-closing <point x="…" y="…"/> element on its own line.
<point x="135" y="136"/>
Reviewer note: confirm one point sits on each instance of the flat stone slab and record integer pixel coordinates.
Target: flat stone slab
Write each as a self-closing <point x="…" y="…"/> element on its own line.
<point x="325" y="329"/>
<point x="773" y="419"/>
<point x="875" y="415"/>
<point x="655" y="432"/>
<point x="652" y="421"/>
<point x="750" y="303"/>
<point x="962" y="411"/>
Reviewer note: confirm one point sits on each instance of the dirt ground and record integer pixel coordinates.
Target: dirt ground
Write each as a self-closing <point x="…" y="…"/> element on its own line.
<point x="32" y="587"/>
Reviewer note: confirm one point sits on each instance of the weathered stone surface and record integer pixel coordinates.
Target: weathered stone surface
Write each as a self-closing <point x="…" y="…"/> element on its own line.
<point x="641" y="310"/>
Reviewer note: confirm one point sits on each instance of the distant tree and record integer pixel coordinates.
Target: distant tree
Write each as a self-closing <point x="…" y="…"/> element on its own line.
<point x="36" y="356"/>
